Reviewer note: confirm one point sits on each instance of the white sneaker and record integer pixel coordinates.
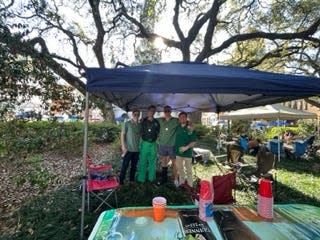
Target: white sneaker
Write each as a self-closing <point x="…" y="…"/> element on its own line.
<point x="176" y="183"/>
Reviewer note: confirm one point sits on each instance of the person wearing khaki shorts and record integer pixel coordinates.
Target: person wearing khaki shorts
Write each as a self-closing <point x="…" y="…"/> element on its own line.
<point x="185" y="141"/>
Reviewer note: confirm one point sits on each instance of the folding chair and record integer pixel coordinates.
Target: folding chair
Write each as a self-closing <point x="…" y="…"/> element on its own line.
<point x="274" y="147"/>
<point x="101" y="179"/>
<point x="311" y="149"/>
<point x="223" y="186"/>
<point x="301" y="148"/>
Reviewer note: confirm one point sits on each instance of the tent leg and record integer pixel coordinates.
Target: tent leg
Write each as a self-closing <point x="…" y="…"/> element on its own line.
<point x="84" y="165"/>
<point x="275" y="162"/>
<point x="219" y="137"/>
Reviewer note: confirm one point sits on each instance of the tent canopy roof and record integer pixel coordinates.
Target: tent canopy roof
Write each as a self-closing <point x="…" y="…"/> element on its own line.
<point x="275" y="111"/>
<point x="196" y="86"/>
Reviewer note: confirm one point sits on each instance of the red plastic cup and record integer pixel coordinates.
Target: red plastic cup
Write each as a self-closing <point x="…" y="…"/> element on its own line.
<point x="205" y="190"/>
<point x="265" y="188"/>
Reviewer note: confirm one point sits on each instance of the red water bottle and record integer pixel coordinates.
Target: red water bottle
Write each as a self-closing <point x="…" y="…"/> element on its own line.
<point x="205" y="201"/>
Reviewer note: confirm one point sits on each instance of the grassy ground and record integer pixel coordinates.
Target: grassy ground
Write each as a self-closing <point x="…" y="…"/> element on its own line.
<point x="57" y="215"/>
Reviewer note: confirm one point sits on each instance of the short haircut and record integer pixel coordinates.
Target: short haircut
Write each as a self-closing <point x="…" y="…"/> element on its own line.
<point x="151" y="107"/>
<point x="136" y="110"/>
<point x="167" y="107"/>
<point x="183" y="113"/>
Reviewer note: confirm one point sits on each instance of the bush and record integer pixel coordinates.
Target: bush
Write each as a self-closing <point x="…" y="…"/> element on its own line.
<point x="200" y="130"/>
<point x="240" y="126"/>
<point x="279" y="131"/>
<point x="104" y="132"/>
<point x="207" y="137"/>
<point x="25" y="138"/>
<point x="307" y="128"/>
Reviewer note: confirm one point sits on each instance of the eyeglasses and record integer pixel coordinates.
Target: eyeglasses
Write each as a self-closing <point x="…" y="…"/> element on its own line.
<point x="136" y="114"/>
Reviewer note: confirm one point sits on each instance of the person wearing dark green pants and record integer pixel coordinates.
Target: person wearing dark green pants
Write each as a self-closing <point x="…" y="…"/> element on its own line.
<point x="148" y="148"/>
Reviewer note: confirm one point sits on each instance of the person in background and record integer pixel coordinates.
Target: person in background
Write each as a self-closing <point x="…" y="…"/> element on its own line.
<point x="254" y="145"/>
<point x="130" y="140"/>
<point x="148" y="148"/>
<point x="185" y="141"/>
<point x="243" y="141"/>
<point x="166" y="140"/>
<point x="288" y="137"/>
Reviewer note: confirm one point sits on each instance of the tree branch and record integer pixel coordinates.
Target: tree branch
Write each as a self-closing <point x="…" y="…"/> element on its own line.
<point x="312" y="102"/>
<point x="176" y="20"/>
<point x="271" y="36"/>
<point x="5" y="8"/>
<point x="144" y="32"/>
<point x="28" y="48"/>
<point x="98" y="46"/>
<point x="210" y="28"/>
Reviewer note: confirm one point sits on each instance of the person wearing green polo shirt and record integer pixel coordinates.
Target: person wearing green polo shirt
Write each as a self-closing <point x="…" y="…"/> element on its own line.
<point x="185" y="141"/>
<point x="130" y="140"/>
<point x="166" y="139"/>
<point x="148" y="148"/>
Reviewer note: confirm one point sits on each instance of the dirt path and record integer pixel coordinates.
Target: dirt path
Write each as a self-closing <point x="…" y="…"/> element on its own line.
<point x="58" y="169"/>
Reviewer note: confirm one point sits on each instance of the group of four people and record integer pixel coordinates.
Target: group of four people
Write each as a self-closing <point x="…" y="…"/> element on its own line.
<point x="170" y="138"/>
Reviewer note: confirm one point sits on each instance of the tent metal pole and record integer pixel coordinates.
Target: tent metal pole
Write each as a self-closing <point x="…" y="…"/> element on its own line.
<point x="84" y="165"/>
<point x="219" y="137"/>
<point x="275" y="165"/>
<point x="318" y="126"/>
<point x="279" y="140"/>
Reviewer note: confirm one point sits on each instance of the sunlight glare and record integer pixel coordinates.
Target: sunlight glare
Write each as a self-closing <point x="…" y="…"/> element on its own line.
<point x="158" y="43"/>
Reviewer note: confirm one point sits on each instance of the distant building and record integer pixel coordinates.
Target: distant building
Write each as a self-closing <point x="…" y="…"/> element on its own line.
<point x="209" y="119"/>
<point x="303" y="105"/>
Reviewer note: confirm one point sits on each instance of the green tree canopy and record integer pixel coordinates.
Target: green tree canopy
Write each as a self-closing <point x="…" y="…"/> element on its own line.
<point x="62" y="38"/>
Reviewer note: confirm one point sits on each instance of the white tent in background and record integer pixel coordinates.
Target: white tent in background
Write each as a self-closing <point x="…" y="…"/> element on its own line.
<point x="274" y="111"/>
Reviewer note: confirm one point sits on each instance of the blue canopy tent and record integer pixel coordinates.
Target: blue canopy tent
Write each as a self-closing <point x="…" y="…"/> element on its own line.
<point x="197" y="86"/>
<point x="193" y="87"/>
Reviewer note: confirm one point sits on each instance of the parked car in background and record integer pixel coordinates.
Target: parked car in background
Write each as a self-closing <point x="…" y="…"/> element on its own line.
<point x="95" y="118"/>
<point x="73" y="118"/>
<point x="27" y="116"/>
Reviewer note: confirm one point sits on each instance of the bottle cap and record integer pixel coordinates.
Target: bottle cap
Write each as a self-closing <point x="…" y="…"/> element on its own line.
<point x="265" y="188"/>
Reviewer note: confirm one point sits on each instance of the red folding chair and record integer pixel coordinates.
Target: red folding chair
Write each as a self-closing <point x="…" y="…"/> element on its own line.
<point x="223" y="188"/>
<point x="100" y="180"/>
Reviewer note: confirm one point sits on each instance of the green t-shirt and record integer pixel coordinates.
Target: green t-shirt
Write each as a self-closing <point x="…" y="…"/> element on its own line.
<point x="132" y="132"/>
<point x="168" y="129"/>
<point x="184" y="136"/>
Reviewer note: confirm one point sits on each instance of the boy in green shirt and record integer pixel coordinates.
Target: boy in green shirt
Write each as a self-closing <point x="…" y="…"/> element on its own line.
<point x="185" y="141"/>
<point x="167" y="135"/>
<point x="148" y="147"/>
<point x="130" y="140"/>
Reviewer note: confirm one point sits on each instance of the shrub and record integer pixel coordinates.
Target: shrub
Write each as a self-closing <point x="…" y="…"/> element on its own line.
<point x="200" y="130"/>
<point x="240" y="126"/>
<point x="307" y="127"/>
<point x="104" y="132"/>
<point x="19" y="138"/>
<point x="278" y="131"/>
<point x="207" y="136"/>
